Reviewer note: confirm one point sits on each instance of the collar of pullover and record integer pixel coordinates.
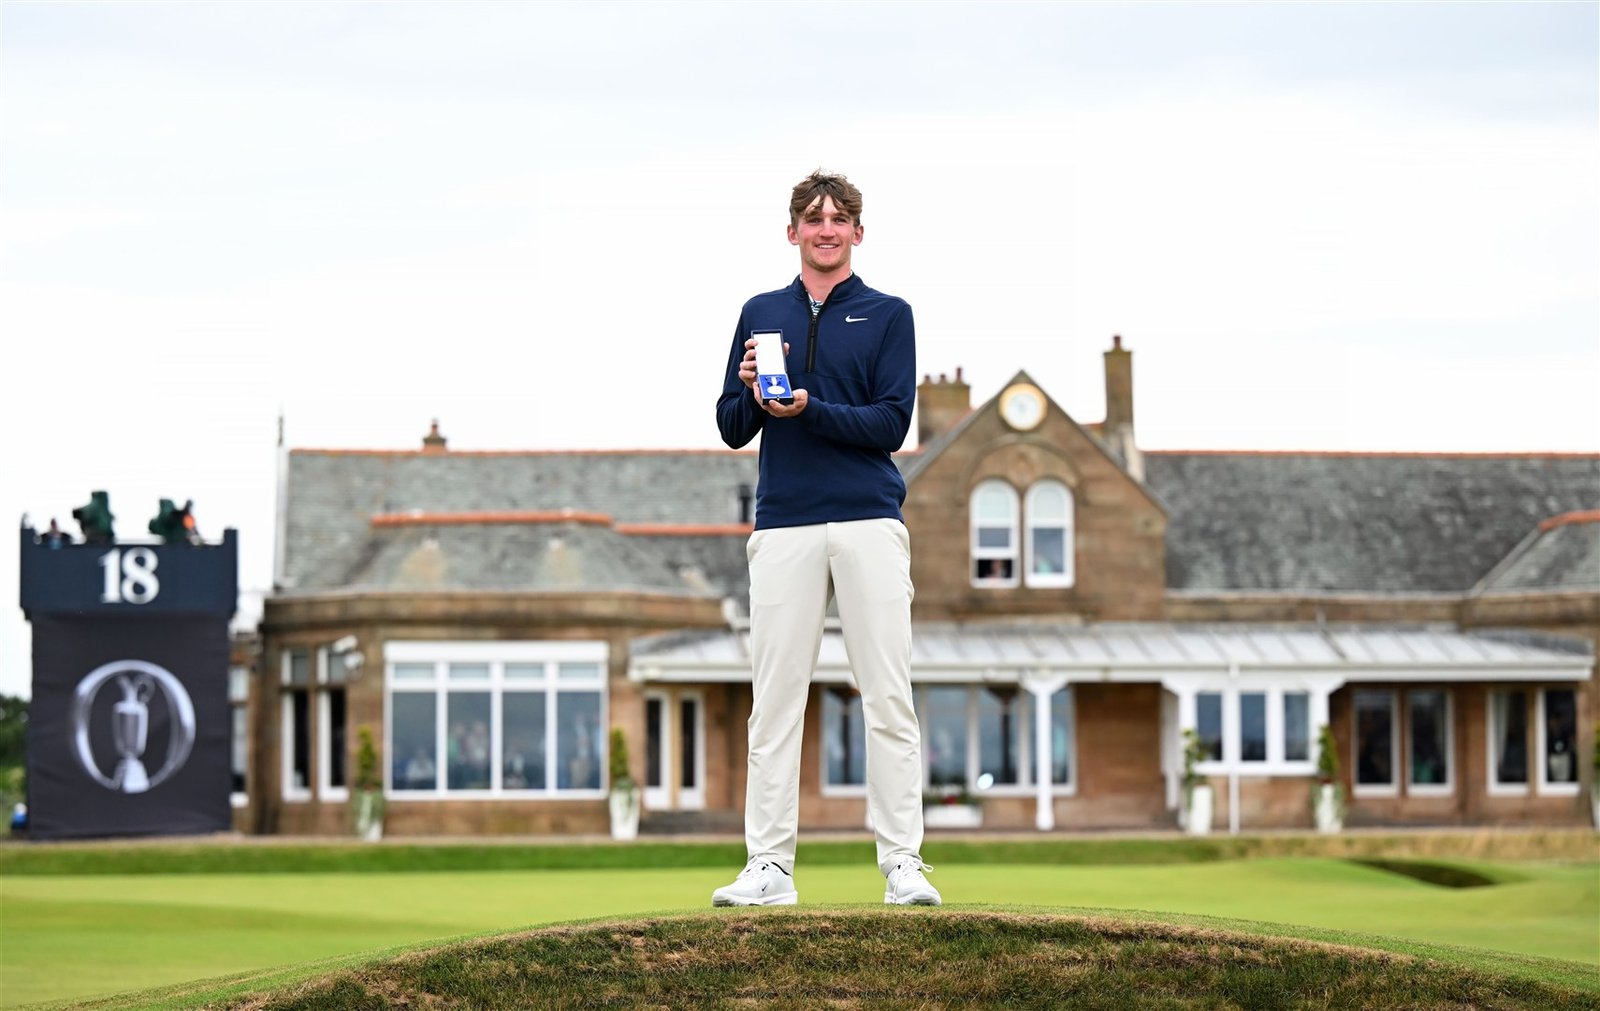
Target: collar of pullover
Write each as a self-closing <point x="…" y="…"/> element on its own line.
<point x="841" y="291"/>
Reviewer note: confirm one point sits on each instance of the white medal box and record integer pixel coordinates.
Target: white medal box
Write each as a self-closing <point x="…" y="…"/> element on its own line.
<point x="772" y="373"/>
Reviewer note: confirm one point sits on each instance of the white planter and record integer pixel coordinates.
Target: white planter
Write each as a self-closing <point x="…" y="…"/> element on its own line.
<point x="1198" y="820"/>
<point x="1325" y="809"/>
<point x="952" y="816"/>
<point x="625" y="814"/>
<point x="369" y="815"/>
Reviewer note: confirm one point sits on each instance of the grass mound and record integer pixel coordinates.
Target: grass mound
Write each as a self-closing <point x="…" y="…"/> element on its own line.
<point x="904" y="958"/>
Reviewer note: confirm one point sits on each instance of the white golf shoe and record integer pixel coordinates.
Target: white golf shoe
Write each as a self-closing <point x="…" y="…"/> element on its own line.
<point x="761" y="883"/>
<point x="907" y="886"/>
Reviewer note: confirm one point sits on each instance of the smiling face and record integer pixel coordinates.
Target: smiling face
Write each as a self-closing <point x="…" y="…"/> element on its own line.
<point x="825" y="232"/>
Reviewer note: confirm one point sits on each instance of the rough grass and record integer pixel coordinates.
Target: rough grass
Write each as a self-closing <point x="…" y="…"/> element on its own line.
<point x="895" y="959"/>
<point x="68" y="937"/>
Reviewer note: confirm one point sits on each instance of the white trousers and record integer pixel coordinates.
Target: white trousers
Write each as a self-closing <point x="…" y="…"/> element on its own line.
<point x="866" y="564"/>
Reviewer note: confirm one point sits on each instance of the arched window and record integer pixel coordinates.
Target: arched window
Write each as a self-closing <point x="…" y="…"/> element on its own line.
<point x="994" y="534"/>
<point x="1049" y="544"/>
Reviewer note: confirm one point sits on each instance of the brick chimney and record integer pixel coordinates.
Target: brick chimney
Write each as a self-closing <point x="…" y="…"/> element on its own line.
<point x="433" y="442"/>
<point x="940" y="405"/>
<point x="1118" y="429"/>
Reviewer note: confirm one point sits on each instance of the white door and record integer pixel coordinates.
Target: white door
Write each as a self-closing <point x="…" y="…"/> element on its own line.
<point x="675" y="751"/>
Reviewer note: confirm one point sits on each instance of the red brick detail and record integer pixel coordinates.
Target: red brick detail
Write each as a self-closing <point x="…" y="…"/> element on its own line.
<point x="1581" y="516"/>
<point x="486" y="519"/>
<point x="684" y="529"/>
<point x="525" y="452"/>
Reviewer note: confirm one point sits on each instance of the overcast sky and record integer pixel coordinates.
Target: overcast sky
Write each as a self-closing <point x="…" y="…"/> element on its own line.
<point x="1332" y="226"/>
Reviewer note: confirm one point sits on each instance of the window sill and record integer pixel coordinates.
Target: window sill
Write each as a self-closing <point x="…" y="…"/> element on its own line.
<point x="952" y="816"/>
<point x="1508" y="790"/>
<point x="1430" y="790"/>
<point x="1288" y="769"/>
<point x="1559" y="789"/>
<point x="1375" y="790"/>
<point x="1048" y="583"/>
<point x="407" y="796"/>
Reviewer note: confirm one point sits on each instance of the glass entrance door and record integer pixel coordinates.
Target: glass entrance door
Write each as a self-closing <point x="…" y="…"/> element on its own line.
<point x="674" y="751"/>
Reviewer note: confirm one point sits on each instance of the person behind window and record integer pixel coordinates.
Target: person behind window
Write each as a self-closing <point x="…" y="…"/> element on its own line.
<point x="420" y="771"/>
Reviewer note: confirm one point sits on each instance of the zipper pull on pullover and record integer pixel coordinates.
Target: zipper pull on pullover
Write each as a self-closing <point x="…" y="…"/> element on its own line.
<point x="811" y="335"/>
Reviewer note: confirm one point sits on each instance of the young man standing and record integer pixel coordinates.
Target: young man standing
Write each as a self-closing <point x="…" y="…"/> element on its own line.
<point x="827" y="524"/>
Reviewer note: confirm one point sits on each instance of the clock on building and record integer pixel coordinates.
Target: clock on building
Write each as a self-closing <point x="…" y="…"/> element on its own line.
<point x="1022" y="406"/>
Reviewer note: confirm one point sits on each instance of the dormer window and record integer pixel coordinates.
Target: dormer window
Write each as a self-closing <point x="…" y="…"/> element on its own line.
<point x="1049" y="543"/>
<point x="994" y="534"/>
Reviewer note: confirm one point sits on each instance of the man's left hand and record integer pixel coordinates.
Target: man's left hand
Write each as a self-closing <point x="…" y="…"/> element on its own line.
<point x="777" y="410"/>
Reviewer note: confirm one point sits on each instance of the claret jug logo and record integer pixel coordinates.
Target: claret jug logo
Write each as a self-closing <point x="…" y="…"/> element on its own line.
<point x="112" y="706"/>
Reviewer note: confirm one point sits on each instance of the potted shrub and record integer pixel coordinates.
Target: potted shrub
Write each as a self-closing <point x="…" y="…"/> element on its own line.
<point x="1195" y="813"/>
<point x="368" y="808"/>
<point x="625" y="793"/>
<point x="959" y="809"/>
<point x="1327" y="794"/>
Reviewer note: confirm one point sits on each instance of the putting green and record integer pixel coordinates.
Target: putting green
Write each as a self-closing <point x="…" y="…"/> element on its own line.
<point x="66" y="937"/>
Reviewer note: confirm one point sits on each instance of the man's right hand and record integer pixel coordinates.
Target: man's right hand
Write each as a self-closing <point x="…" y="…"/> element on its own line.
<point x="747" y="368"/>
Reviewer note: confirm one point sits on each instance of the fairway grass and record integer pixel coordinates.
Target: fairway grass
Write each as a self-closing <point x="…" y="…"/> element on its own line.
<point x="73" y="936"/>
<point x="898" y="958"/>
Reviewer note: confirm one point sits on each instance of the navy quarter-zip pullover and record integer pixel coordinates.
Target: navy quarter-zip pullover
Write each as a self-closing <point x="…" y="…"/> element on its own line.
<point x="856" y="360"/>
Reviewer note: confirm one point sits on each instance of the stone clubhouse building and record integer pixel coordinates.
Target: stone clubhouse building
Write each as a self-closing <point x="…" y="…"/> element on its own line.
<point x="488" y="617"/>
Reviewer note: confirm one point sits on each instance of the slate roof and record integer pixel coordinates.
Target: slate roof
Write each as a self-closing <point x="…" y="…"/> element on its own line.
<point x="1562" y="555"/>
<point x="1263" y="522"/>
<point x="1375" y="523"/>
<point x="333" y="495"/>
<point x="565" y="556"/>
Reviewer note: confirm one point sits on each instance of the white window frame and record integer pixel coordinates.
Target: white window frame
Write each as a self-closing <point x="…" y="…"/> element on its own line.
<point x="1230" y="747"/>
<point x="1391" y="788"/>
<point x="1494" y="786"/>
<point x="977" y="554"/>
<point x="847" y="789"/>
<point x="656" y="798"/>
<point x="1542" y="784"/>
<point x="324" y="740"/>
<point x="239" y="798"/>
<point x="689" y="798"/>
<point x="1068" y="575"/>
<point x="1278" y="706"/>
<point x="1267" y="723"/>
<point x="692" y="798"/>
<point x="291" y="793"/>
<point x="1070" y="787"/>
<point x="497" y="656"/>
<point x="1027" y="763"/>
<point x="1276" y="764"/>
<point x="1448" y="787"/>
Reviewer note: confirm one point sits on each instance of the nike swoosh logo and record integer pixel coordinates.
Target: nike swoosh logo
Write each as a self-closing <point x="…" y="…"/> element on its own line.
<point x="855" y="319"/>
